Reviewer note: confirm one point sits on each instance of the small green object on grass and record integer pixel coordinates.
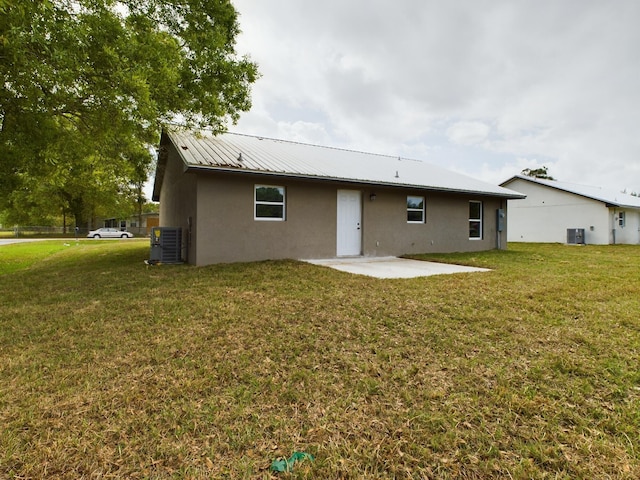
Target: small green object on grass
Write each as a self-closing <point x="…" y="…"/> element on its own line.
<point x="286" y="465"/>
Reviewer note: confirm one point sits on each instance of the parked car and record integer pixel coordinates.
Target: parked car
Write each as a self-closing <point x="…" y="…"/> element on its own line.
<point x="109" y="233"/>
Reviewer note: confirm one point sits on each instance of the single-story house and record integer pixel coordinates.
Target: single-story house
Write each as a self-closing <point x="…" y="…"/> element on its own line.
<point x="559" y="212"/>
<point x="139" y="225"/>
<point x="245" y="198"/>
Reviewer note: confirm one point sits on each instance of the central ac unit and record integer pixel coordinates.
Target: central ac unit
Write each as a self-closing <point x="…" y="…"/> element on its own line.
<point x="575" y="236"/>
<point x="166" y="245"/>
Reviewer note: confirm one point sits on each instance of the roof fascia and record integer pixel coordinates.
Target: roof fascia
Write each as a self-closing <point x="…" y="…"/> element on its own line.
<point x="161" y="165"/>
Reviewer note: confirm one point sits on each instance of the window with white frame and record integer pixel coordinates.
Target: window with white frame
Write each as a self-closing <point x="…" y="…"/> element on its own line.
<point x="475" y="220"/>
<point x="415" y="209"/>
<point x="621" y="219"/>
<point x="269" y="203"/>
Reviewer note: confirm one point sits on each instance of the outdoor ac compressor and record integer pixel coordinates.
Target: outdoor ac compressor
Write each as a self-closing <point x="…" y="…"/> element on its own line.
<point x="166" y="245"/>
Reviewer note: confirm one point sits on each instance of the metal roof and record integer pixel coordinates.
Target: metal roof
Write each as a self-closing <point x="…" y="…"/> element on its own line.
<point x="234" y="152"/>
<point x="608" y="196"/>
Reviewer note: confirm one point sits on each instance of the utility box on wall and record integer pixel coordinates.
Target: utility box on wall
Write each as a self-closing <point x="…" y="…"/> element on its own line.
<point x="575" y="236"/>
<point x="166" y="245"/>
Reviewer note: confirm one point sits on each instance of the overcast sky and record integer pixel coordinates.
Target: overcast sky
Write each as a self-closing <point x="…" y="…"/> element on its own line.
<point x="485" y="88"/>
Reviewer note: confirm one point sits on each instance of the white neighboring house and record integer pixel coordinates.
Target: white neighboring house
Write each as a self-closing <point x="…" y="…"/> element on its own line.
<point x="552" y="208"/>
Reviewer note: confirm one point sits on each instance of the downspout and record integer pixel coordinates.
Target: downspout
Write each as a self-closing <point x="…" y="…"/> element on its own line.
<point x="613" y="230"/>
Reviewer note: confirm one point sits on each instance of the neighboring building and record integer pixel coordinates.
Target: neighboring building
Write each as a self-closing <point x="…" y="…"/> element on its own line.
<point x="139" y="225"/>
<point x="553" y="208"/>
<point x="246" y="198"/>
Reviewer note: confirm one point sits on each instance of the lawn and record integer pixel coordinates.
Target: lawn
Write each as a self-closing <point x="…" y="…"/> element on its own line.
<point x="113" y="369"/>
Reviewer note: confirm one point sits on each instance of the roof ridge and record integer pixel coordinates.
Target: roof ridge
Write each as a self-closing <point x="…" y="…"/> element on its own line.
<point x="563" y="182"/>
<point x="595" y="192"/>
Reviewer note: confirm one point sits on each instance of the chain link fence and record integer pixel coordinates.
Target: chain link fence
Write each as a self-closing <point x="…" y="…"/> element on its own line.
<point x="42" y="231"/>
<point x="38" y="231"/>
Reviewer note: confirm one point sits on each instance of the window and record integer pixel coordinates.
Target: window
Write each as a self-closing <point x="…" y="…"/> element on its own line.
<point x="621" y="219"/>
<point x="475" y="220"/>
<point x="269" y="203"/>
<point x="415" y="209"/>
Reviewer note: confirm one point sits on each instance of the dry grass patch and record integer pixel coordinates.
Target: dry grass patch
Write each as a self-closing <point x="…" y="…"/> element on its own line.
<point x="109" y="368"/>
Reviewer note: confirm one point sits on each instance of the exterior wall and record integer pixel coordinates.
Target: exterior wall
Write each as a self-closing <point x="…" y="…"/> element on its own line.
<point x="141" y="225"/>
<point x="446" y="229"/>
<point x="630" y="232"/>
<point x="178" y="201"/>
<point x="225" y="229"/>
<point x="138" y="225"/>
<point x="547" y="213"/>
<point x="227" y="232"/>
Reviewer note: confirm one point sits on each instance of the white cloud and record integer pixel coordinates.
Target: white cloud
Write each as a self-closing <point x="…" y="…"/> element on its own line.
<point x="468" y="133"/>
<point x="475" y="85"/>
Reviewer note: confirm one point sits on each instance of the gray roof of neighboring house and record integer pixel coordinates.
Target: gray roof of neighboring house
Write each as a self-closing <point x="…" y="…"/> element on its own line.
<point x="231" y="152"/>
<point x="608" y="196"/>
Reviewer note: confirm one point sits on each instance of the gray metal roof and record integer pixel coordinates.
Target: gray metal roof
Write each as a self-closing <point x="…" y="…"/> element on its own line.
<point x="607" y="196"/>
<point x="252" y="154"/>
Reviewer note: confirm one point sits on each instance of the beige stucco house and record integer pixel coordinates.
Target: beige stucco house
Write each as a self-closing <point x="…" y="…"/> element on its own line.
<point x="554" y="211"/>
<point x="246" y="198"/>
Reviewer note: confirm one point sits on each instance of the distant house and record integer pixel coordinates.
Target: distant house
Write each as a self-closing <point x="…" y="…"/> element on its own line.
<point x="564" y="212"/>
<point x="246" y="198"/>
<point x="139" y="225"/>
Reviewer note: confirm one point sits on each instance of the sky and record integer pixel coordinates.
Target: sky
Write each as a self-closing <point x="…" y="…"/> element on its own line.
<point x="484" y="88"/>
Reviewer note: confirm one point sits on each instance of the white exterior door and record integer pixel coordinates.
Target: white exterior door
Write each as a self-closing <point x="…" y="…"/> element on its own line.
<point x="349" y="241"/>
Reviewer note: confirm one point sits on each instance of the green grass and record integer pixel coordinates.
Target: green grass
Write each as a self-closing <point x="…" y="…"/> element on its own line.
<point x="112" y="369"/>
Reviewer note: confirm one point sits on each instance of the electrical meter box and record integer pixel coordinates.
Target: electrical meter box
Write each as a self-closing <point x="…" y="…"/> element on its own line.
<point x="166" y="245"/>
<point x="500" y="216"/>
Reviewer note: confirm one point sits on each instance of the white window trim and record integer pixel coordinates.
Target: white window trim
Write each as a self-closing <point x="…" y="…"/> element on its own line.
<point x="422" y="210"/>
<point x="256" y="203"/>
<point x="622" y="220"/>
<point x="477" y="220"/>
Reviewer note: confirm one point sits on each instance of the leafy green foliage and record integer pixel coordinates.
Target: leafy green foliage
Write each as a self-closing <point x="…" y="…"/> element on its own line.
<point x="541" y="172"/>
<point x="88" y="85"/>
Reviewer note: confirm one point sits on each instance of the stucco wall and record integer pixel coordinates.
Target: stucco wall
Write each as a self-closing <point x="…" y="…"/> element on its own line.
<point x="178" y="201"/>
<point x="547" y="213"/>
<point x="446" y="229"/>
<point x="630" y="232"/>
<point x="227" y="232"/>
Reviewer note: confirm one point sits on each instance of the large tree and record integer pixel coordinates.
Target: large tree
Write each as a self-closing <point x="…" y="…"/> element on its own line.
<point x="87" y="86"/>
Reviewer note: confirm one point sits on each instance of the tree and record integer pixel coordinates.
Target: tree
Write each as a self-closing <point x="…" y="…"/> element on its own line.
<point x="537" y="173"/>
<point x="87" y="86"/>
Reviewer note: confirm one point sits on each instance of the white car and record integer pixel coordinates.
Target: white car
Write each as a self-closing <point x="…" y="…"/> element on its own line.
<point x="109" y="233"/>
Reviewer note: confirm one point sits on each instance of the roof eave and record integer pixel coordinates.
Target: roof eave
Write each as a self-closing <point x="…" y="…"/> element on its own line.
<point x="161" y="165"/>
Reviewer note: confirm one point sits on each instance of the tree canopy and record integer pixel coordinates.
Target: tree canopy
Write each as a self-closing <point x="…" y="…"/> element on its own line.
<point x="87" y="86"/>
<point x="541" y="172"/>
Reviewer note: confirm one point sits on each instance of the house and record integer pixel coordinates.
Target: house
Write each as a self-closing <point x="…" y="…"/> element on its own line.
<point x="139" y="225"/>
<point x="554" y="211"/>
<point x="246" y="198"/>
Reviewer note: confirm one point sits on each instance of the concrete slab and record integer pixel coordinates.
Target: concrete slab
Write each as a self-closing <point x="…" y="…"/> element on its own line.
<point x="393" y="267"/>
